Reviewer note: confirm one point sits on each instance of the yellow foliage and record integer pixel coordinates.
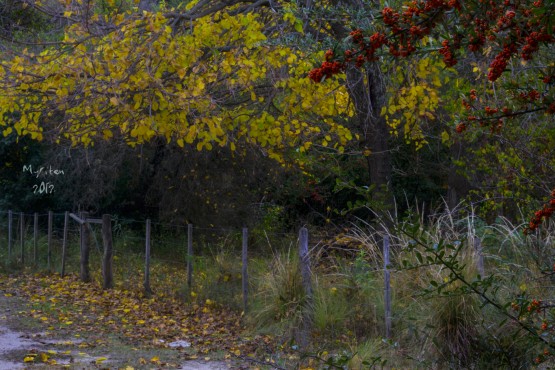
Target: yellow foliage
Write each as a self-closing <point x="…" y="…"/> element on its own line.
<point x="147" y="79"/>
<point x="415" y="102"/>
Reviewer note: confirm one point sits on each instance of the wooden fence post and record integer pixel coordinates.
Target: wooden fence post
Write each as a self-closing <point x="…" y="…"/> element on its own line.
<point x="306" y="326"/>
<point x="107" y="267"/>
<point x="64" y="243"/>
<point x="479" y="255"/>
<point x="146" y="284"/>
<point x="35" y="236"/>
<point x="244" y="271"/>
<point x="10" y="221"/>
<point x="85" y="248"/>
<point x="387" y="287"/>
<point x="21" y="238"/>
<point x="189" y="255"/>
<point x="49" y="253"/>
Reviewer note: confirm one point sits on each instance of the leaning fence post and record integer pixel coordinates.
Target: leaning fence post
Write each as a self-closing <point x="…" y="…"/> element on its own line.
<point x="387" y="287"/>
<point x="85" y="248"/>
<point x="245" y="275"/>
<point x="10" y="221"/>
<point x="21" y="239"/>
<point x="107" y="270"/>
<point x="146" y="283"/>
<point x="35" y="236"/>
<point x="189" y="255"/>
<point x="306" y="325"/>
<point x="64" y="243"/>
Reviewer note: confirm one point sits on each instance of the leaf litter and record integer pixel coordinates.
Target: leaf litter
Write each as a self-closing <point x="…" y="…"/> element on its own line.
<point x="92" y="318"/>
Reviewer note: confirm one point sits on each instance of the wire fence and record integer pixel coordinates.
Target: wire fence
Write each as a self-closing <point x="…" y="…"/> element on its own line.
<point x="208" y="259"/>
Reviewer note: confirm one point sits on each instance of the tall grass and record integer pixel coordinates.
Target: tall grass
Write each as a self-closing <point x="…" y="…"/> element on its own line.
<point x="280" y="298"/>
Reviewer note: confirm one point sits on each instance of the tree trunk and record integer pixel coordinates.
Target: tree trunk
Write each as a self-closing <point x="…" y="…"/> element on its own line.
<point x="368" y="91"/>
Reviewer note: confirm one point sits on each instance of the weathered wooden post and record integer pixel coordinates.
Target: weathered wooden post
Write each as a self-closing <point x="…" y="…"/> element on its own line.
<point x="244" y="271"/>
<point x="479" y="256"/>
<point x="306" y="325"/>
<point x="387" y="287"/>
<point x="21" y="234"/>
<point x="146" y="284"/>
<point x="10" y="222"/>
<point x="49" y="255"/>
<point x="35" y="236"/>
<point x="85" y="248"/>
<point x="107" y="267"/>
<point x="64" y="243"/>
<point x="189" y="255"/>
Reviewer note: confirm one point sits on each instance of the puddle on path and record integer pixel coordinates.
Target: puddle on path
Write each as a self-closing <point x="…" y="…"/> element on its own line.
<point x="12" y="341"/>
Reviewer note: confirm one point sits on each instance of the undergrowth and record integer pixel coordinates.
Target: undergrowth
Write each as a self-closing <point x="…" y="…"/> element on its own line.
<point x="438" y="321"/>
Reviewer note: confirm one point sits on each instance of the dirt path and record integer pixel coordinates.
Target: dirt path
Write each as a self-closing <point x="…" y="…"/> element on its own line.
<point x="21" y="338"/>
<point x="11" y="341"/>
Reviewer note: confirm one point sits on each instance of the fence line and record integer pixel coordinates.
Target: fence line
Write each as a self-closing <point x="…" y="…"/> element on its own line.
<point x="85" y="232"/>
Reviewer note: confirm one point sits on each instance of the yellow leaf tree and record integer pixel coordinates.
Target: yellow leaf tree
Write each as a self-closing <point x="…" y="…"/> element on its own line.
<point x="207" y="74"/>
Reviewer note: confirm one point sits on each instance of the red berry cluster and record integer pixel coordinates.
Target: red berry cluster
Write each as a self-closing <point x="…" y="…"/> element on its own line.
<point x="543" y="356"/>
<point x="327" y="69"/>
<point x="533" y="41"/>
<point x="497" y="67"/>
<point x="364" y="50"/>
<point x="447" y="53"/>
<point x="534" y="306"/>
<point x="542" y="214"/>
<point x="515" y="26"/>
<point x="461" y="127"/>
<point x="531" y="95"/>
<point x="491" y="111"/>
<point x="527" y="307"/>
<point x="494" y="117"/>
